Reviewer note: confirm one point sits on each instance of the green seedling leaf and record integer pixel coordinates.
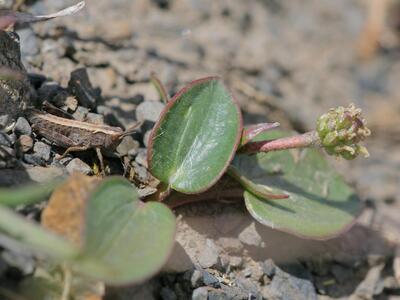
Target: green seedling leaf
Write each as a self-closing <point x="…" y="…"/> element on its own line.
<point x="26" y="195"/>
<point x="122" y="240"/>
<point x="320" y="205"/>
<point x="196" y="137"/>
<point x="126" y="240"/>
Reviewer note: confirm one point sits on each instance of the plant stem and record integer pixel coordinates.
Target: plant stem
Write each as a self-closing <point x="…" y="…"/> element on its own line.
<point x="305" y="140"/>
<point x="67" y="283"/>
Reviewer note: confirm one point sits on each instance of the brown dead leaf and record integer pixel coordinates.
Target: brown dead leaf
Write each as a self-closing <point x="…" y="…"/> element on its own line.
<point x="65" y="213"/>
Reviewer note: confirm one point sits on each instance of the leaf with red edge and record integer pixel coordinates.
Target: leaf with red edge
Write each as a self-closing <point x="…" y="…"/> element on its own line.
<point x="196" y="137"/>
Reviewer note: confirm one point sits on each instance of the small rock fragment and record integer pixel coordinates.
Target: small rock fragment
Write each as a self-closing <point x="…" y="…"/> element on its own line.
<point x="25" y="143"/>
<point x="268" y="268"/>
<point x="196" y="279"/>
<point x="149" y="110"/>
<point x="167" y="294"/>
<point x="250" y="236"/>
<point x="209" y="255"/>
<point x="80" y="113"/>
<point x="95" y="118"/>
<point x="80" y="86"/>
<point x="32" y="159"/>
<point x="366" y="289"/>
<point x="4" y="121"/>
<point x="42" y="150"/>
<point x="22" y="127"/>
<point x="77" y="165"/>
<point x="210" y="279"/>
<point x="141" y="157"/>
<point x="127" y="146"/>
<point x="5" y="140"/>
<point x="200" y="293"/>
<point x="236" y="261"/>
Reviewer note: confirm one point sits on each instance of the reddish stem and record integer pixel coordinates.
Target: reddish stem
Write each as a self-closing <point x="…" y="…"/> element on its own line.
<point x="299" y="141"/>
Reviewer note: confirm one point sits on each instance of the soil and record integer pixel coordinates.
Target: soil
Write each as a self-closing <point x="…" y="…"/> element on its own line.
<point x="285" y="61"/>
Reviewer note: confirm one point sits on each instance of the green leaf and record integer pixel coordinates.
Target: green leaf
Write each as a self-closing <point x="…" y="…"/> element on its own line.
<point x="196" y="137"/>
<point x="126" y="240"/>
<point x="27" y="194"/>
<point x="321" y="204"/>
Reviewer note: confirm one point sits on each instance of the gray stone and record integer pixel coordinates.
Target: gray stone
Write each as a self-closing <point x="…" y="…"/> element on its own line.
<point x="22" y="127"/>
<point x="248" y="286"/>
<point x="250" y="236"/>
<point x="141" y="157"/>
<point x="5" y="140"/>
<point x="146" y="138"/>
<point x="80" y="113"/>
<point x="4" y="121"/>
<point x="210" y="280"/>
<point x="167" y="294"/>
<point x="268" y="268"/>
<point x="42" y="150"/>
<point x="196" y="279"/>
<point x="77" y="165"/>
<point x="231" y="245"/>
<point x="200" y="293"/>
<point x="285" y="286"/>
<point x="29" y="42"/>
<point x="209" y="255"/>
<point x="127" y="146"/>
<point x="24" y="143"/>
<point x="141" y="172"/>
<point x="80" y="86"/>
<point x="33" y="159"/>
<point x="95" y="118"/>
<point x="16" y="94"/>
<point x="236" y="261"/>
<point x="149" y="110"/>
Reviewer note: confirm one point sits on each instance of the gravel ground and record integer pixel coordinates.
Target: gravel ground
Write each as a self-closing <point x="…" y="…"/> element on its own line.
<point x="285" y="61"/>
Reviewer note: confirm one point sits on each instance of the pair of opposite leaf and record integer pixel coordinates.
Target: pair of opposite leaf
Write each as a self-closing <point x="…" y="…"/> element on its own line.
<point x="199" y="137"/>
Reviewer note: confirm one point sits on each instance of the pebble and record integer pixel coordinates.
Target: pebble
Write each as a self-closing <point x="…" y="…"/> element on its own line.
<point x="42" y="150"/>
<point x="209" y="255"/>
<point x="200" y="293"/>
<point x="268" y="268"/>
<point x="25" y="143"/>
<point x="141" y="157"/>
<point x="210" y="279"/>
<point x="366" y="289"/>
<point x="29" y="42"/>
<point x="146" y="138"/>
<point x="250" y="236"/>
<point x="196" y="279"/>
<point x="22" y="127"/>
<point x="5" y="140"/>
<point x="71" y="103"/>
<point x="77" y="165"/>
<point x="80" y="113"/>
<point x="149" y="110"/>
<point x="4" y="121"/>
<point x="95" y="118"/>
<point x="167" y="294"/>
<point x="235" y="261"/>
<point x="32" y="159"/>
<point x="127" y="146"/>
<point x="141" y="172"/>
<point x="79" y="85"/>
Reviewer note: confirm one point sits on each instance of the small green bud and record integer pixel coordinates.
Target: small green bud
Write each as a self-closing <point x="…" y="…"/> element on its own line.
<point x="341" y="129"/>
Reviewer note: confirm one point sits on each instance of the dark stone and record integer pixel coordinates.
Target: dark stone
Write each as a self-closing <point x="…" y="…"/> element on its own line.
<point x="210" y="279"/>
<point x="167" y="294"/>
<point x="80" y="113"/>
<point x="80" y="86"/>
<point x="5" y="140"/>
<point x="32" y="159"/>
<point x="22" y="127"/>
<point x="42" y="150"/>
<point x="200" y="293"/>
<point x="268" y="268"/>
<point x="15" y="93"/>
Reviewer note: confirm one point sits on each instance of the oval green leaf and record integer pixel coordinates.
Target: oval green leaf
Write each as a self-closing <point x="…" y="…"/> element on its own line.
<point x="126" y="240"/>
<point x="321" y="204"/>
<point x="196" y="137"/>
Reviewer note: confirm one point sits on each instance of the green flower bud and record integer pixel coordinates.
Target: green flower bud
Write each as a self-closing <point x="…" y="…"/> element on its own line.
<point x="341" y="129"/>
